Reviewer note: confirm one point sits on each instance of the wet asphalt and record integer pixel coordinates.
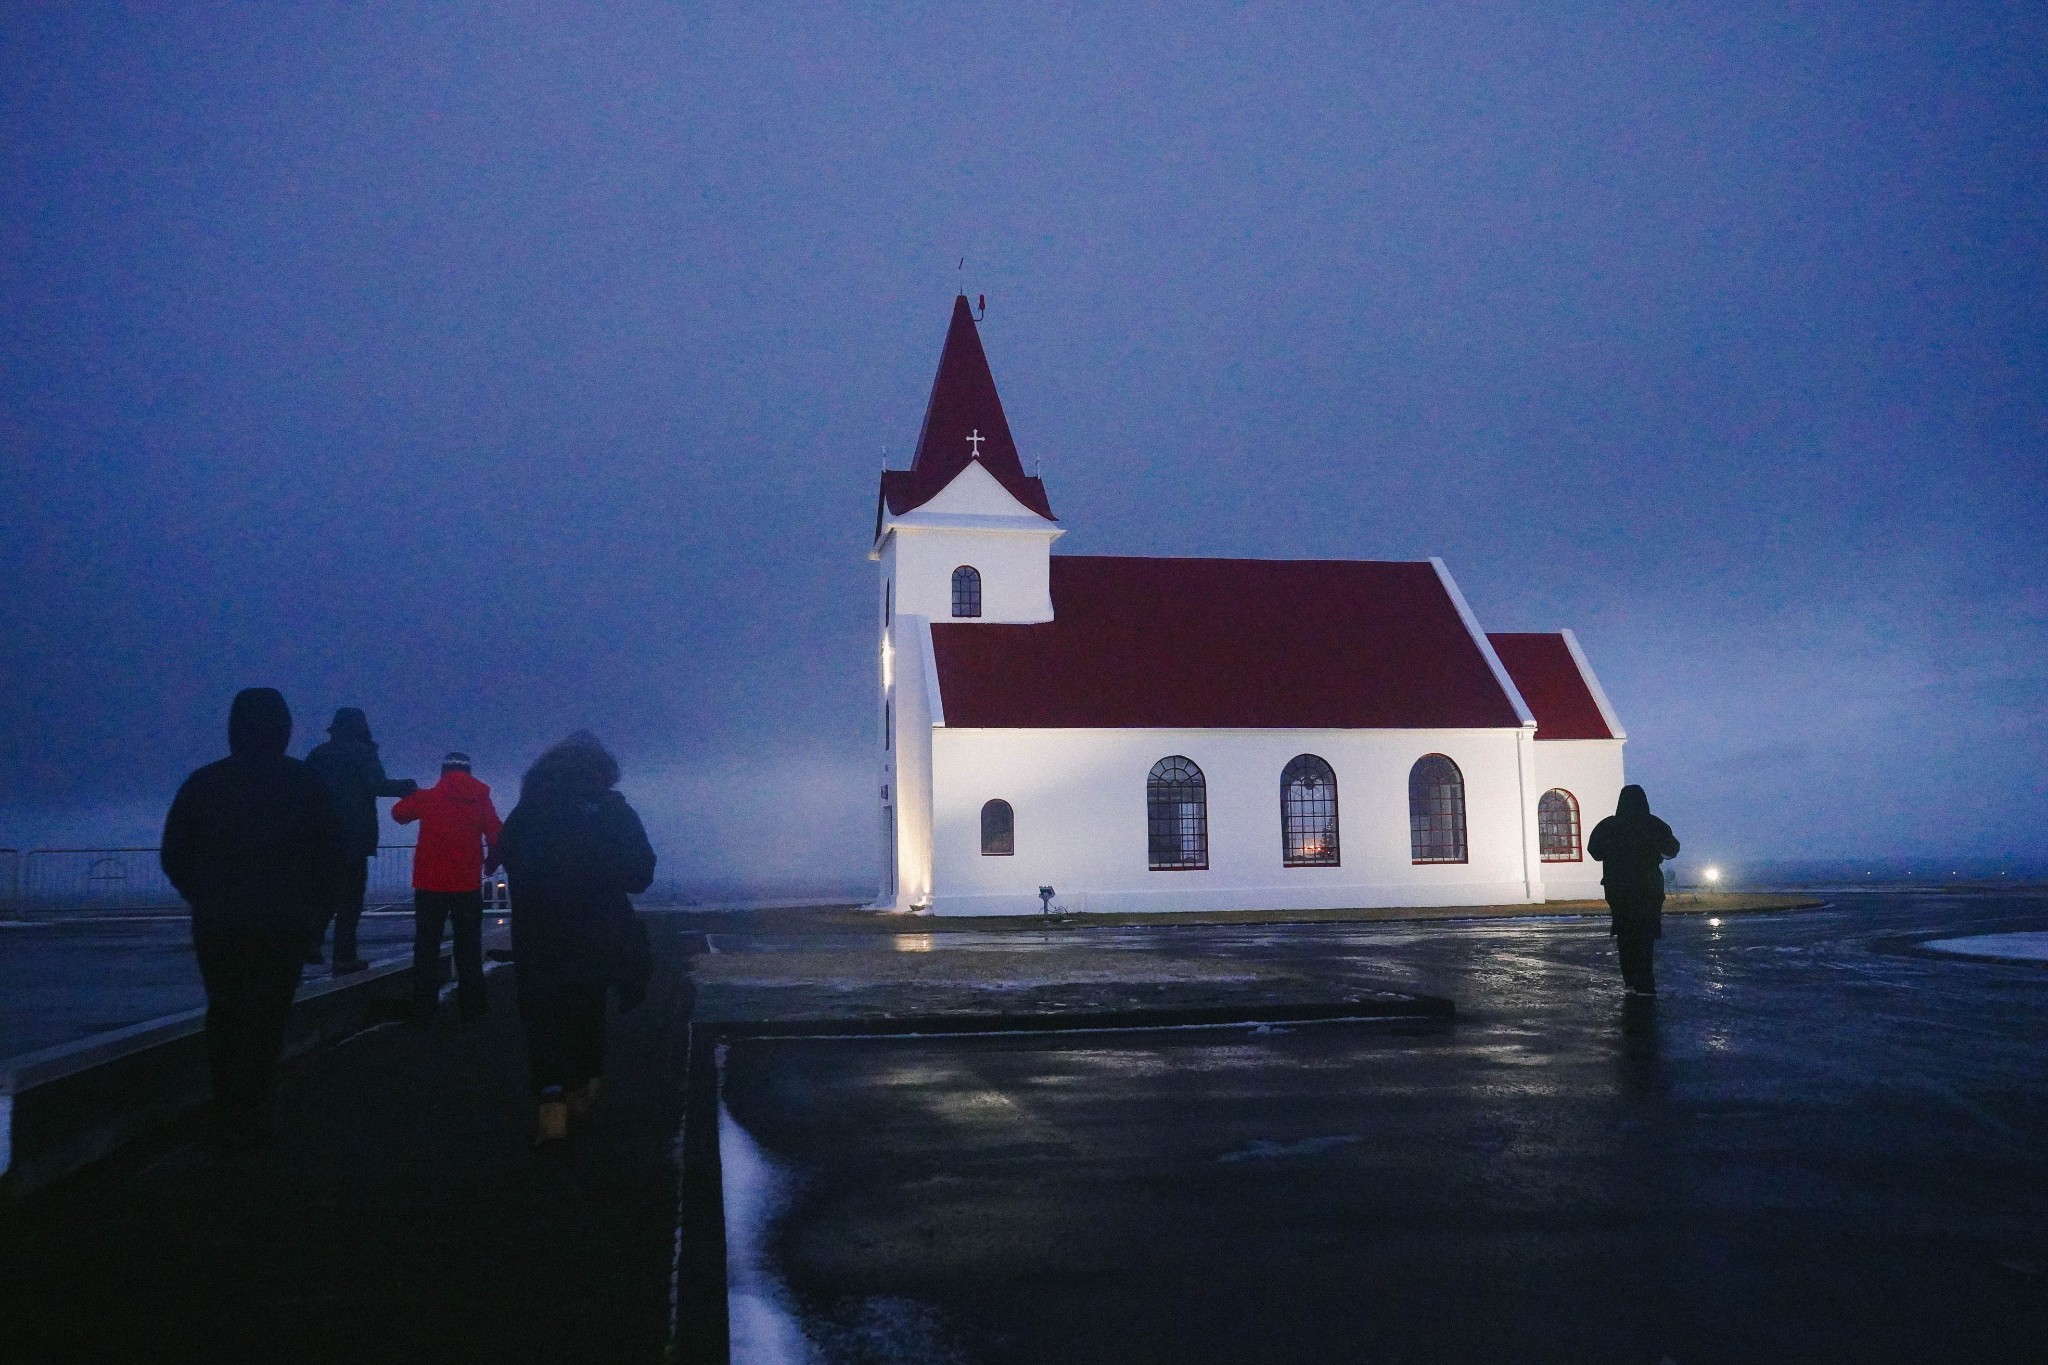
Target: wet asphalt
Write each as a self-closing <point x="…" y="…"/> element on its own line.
<point x="1818" y="1144"/>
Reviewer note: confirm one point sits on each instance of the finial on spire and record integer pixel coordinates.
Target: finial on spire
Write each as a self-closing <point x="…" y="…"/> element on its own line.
<point x="980" y="300"/>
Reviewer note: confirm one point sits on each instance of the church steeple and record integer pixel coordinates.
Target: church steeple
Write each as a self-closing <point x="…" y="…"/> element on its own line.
<point x="963" y="423"/>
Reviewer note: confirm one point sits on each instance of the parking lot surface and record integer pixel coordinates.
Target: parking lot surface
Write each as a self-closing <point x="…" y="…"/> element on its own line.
<point x="1820" y="1143"/>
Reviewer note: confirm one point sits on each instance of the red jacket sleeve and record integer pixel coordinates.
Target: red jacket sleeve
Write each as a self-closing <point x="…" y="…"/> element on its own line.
<point x="492" y="824"/>
<point x="410" y="808"/>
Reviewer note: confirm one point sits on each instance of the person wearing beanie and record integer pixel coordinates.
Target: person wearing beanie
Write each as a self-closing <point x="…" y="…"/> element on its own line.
<point x="348" y="764"/>
<point x="250" y="843"/>
<point x="457" y="826"/>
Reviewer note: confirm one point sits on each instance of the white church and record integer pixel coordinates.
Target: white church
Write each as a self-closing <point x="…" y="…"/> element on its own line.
<point x="1202" y="734"/>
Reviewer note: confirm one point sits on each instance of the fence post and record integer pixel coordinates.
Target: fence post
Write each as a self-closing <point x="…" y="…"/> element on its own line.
<point x="10" y="882"/>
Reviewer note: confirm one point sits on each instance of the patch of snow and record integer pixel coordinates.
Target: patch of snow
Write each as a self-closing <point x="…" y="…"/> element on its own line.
<point x="764" y="1329"/>
<point x="2030" y="947"/>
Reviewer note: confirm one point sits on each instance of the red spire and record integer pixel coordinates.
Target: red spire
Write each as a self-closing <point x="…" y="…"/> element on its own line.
<point x="963" y="421"/>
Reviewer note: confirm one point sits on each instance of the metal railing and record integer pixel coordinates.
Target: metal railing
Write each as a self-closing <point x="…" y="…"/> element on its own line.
<point x="93" y="879"/>
<point x="390" y="882"/>
<point x="111" y="879"/>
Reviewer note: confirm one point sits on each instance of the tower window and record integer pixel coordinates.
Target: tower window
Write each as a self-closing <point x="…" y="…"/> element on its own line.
<point x="967" y="591"/>
<point x="1436" y="810"/>
<point x="998" y="830"/>
<point x="1177" y="816"/>
<point x="1557" y="826"/>
<point x="1308" y="813"/>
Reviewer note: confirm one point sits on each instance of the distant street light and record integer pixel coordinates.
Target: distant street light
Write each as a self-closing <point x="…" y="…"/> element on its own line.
<point x="1710" y="874"/>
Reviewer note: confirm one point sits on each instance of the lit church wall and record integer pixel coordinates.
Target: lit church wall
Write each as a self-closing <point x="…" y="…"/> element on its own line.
<point x="1080" y="807"/>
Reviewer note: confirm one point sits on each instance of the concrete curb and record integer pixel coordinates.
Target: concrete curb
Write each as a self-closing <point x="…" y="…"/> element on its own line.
<point x="700" y="1332"/>
<point x="1209" y="1016"/>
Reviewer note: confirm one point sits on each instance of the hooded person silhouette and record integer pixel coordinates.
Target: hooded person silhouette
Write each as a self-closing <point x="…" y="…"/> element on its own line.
<point x="250" y="843"/>
<point x="574" y="853"/>
<point x="348" y="765"/>
<point x="1631" y="846"/>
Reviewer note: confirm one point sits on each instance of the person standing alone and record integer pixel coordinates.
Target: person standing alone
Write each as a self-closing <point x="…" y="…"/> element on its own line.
<point x="458" y="825"/>
<point x="354" y="776"/>
<point x="1631" y="846"/>
<point x="250" y="843"/>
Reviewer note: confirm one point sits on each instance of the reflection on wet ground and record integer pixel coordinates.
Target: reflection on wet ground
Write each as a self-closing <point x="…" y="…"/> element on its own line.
<point x="1817" y="1144"/>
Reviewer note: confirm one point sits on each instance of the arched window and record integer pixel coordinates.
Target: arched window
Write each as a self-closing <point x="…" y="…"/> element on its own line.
<point x="1557" y="826"/>
<point x="998" y="830"/>
<point x="1308" y="813"/>
<point x="1177" y="816"/>
<point x="967" y="591"/>
<point x="1436" y="810"/>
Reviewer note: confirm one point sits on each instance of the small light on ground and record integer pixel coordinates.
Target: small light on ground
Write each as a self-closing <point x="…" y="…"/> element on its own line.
<point x="1714" y="921"/>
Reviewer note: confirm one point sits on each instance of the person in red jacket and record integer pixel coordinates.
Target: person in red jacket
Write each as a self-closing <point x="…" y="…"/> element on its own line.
<point x="458" y="826"/>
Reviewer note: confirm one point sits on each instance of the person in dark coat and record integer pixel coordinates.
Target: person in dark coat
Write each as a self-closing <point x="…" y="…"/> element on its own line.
<point x="1631" y="846"/>
<point x="348" y="764"/>
<point x="573" y="851"/>
<point x="249" y="843"/>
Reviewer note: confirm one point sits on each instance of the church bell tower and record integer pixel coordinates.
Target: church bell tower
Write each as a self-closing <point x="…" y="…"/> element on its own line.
<point x="963" y="536"/>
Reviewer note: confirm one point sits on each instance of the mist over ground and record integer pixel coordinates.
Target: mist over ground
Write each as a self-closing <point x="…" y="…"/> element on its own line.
<point x="505" y="371"/>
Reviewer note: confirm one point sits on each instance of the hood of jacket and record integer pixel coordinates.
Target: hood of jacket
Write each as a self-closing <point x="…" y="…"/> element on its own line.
<point x="259" y="723"/>
<point x="350" y="723"/>
<point x="579" y="767"/>
<point x="1633" y="805"/>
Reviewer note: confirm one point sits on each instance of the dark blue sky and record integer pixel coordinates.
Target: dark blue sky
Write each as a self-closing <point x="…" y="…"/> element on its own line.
<point x="504" y="369"/>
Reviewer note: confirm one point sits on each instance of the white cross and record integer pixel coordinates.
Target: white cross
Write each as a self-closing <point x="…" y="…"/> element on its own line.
<point x="975" y="440"/>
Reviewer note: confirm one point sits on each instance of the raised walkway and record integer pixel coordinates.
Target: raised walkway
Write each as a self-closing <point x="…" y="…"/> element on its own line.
<point x="398" y="1214"/>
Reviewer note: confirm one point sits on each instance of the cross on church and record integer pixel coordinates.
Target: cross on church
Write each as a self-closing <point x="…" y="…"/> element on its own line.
<point x="975" y="440"/>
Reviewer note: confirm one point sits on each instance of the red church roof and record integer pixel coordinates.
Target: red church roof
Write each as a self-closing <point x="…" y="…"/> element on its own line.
<point x="1550" y="680"/>
<point x="963" y="404"/>
<point x="1226" y="644"/>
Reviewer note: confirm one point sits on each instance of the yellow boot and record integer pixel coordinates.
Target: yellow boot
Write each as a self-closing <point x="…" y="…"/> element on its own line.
<point x="554" y="1119"/>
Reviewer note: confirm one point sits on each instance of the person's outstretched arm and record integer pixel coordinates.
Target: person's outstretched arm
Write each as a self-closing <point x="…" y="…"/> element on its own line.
<point x="379" y="784"/>
<point x="408" y="808"/>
